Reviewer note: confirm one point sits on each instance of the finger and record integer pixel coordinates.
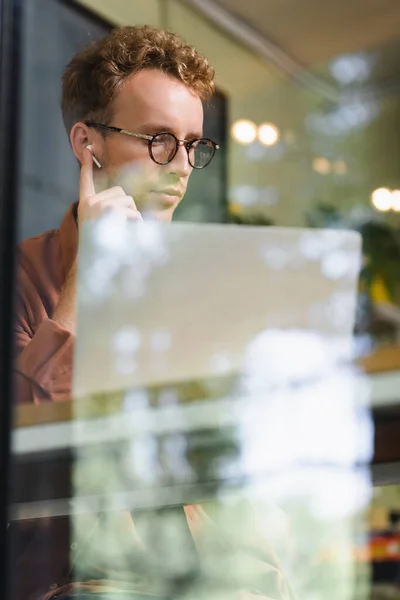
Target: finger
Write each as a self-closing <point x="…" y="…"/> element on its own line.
<point x="130" y="214"/>
<point x="116" y="191"/>
<point x="115" y="194"/>
<point x="132" y="203"/>
<point x="114" y="202"/>
<point x="124" y="204"/>
<point x="134" y="215"/>
<point x="86" y="185"/>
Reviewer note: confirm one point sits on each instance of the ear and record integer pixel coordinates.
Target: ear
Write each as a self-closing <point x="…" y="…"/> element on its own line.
<point x="81" y="136"/>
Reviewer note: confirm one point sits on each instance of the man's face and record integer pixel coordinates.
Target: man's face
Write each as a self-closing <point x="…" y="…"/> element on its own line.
<point x="150" y="102"/>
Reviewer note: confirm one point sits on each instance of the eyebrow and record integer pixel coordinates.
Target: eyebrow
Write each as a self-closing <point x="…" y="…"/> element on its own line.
<point x="158" y="128"/>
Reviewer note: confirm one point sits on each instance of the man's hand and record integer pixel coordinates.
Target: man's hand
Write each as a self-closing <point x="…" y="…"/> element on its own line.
<point x="92" y="205"/>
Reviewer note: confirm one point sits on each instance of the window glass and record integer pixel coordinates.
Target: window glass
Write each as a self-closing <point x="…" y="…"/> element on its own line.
<point x="206" y="360"/>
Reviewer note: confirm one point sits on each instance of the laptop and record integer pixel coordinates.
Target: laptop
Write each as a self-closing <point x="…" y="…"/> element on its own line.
<point x="163" y="308"/>
<point x="190" y="314"/>
<point x="161" y="304"/>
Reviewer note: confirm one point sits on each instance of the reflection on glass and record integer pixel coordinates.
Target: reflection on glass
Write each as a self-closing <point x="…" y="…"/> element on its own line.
<point x="199" y="478"/>
<point x="222" y="427"/>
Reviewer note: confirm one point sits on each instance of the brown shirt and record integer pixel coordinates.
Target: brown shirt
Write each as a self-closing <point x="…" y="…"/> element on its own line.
<point x="44" y="350"/>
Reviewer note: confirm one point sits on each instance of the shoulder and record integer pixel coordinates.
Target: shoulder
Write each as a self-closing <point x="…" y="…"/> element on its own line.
<point x="39" y="252"/>
<point x="38" y="242"/>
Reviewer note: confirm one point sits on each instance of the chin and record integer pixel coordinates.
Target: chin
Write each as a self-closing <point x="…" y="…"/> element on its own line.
<point x="159" y="210"/>
<point x="164" y="215"/>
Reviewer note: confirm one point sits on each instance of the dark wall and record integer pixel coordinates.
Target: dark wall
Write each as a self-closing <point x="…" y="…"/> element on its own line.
<point x="51" y="33"/>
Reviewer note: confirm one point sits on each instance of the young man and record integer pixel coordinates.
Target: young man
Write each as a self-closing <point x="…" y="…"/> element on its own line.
<point x="131" y="100"/>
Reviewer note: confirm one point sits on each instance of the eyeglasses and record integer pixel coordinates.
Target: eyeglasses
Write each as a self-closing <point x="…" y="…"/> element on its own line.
<point x="163" y="147"/>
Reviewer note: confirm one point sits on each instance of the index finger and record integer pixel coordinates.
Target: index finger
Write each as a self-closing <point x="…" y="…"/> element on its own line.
<point x="86" y="184"/>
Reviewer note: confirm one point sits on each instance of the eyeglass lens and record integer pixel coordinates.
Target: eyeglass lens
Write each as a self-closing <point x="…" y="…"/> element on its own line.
<point x="164" y="148"/>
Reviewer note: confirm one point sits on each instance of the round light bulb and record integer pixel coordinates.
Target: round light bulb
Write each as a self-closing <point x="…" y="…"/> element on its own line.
<point x="382" y="199"/>
<point x="396" y="200"/>
<point x="321" y="165"/>
<point x="340" y="167"/>
<point x="244" y="131"/>
<point x="268" y="134"/>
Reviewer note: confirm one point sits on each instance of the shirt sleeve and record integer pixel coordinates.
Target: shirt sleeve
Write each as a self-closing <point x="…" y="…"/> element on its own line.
<point x="43" y="366"/>
<point x="43" y="350"/>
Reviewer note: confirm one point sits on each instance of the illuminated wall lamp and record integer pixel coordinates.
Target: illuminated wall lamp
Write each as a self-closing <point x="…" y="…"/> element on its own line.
<point x="382" y="199"/>
<point x="396" y="200"/>
<point x="321" y="165"/>
<point x="268" y="134"/>
<point x="244" y="132"/>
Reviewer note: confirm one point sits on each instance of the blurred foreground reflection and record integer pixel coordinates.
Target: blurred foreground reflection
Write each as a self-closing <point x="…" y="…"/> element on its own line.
<point x="240" y="489"/>
<point x="221" y="433"/>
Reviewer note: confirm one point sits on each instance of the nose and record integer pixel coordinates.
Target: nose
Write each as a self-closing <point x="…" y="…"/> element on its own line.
<point x="180" y="166"/>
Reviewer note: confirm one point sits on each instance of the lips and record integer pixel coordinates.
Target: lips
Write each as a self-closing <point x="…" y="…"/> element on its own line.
<point x="168" y="192"/>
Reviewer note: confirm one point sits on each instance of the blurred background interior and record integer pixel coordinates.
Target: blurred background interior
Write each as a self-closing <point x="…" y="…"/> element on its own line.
<point x="308" y="117"/>
<point x="307" y="114"/>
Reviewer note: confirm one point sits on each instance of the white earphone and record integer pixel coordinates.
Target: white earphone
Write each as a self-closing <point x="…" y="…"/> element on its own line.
<point x="96" y="162"/>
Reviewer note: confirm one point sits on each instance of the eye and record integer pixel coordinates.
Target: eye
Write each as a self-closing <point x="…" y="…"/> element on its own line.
<point x="164" y="138"/>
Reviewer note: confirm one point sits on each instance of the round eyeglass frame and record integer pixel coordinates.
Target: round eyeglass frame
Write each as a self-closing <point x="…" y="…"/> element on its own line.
<point x="150" y="139"/>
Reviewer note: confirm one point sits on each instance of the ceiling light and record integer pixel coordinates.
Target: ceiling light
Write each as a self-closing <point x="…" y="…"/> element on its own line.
<point x="244" y="131"/>
<point x="382" y="199"/>
<point x="349" y="68"/>
<point x="321" y="165"/>
<point x="396" y="200"/>
<point x="268" y="134"/>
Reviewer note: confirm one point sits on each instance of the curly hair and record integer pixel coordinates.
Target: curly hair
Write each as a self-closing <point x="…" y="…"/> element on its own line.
<point x="93" y="77"/>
